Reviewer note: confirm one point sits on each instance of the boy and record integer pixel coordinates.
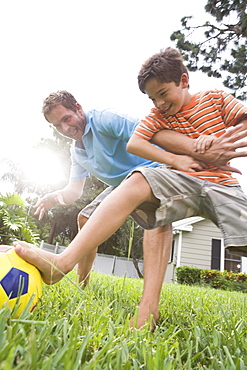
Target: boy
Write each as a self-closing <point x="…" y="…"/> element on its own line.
<point x="165" y="81"/>
<point x="157" y="196"/>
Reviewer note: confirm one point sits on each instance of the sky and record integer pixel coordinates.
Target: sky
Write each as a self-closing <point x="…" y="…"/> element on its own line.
<point x="93" y="49"/>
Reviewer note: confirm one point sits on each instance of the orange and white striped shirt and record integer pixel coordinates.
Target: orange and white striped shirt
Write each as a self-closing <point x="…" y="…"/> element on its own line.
<point x="208" y="113"/>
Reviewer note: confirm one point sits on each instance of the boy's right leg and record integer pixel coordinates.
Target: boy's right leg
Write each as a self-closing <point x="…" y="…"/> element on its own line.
<point x="157" y="245"/>
<point x="101" y="225"/>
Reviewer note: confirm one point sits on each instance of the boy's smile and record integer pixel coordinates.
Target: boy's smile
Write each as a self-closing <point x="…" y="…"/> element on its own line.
<point x="167" y="96"/>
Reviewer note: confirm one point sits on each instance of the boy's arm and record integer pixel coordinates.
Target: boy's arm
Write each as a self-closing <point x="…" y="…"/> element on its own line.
<point x="222" y="150"/>
<point x="143" y="148"/>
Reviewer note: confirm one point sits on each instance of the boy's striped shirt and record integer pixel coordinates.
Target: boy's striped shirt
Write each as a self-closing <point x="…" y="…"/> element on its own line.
<point x="208" y="113"/>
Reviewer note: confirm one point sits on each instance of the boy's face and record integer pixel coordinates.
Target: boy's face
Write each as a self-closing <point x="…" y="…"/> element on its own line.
<point x="167" y="96"/>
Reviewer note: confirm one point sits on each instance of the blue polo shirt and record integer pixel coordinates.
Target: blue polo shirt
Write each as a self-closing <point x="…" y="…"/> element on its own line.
<point x="102" y="150"/>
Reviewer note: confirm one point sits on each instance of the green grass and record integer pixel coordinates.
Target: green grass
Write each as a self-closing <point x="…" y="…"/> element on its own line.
<point x="199" y="328"/>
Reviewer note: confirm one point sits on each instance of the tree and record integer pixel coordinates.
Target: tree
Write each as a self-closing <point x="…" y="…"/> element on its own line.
<point x="15" y="223"/>
<point x="222" y="49"/>
<point x="118" y="243"/>
<point x="15" y="175"/>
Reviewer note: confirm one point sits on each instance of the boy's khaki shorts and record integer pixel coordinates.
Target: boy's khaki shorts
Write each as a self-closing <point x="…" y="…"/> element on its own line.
<point x="182" y="196"/>
<point x="91" y="207"/>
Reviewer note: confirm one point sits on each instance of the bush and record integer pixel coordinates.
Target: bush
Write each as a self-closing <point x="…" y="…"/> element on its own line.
<point x="15" y="222"/>
<point x="188" y="275"/>
<point x="226" y="280"/>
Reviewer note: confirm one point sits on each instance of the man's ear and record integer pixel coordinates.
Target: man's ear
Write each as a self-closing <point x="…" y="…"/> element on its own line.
<point x="79" y="108"/>
<point x="185" y="81"/>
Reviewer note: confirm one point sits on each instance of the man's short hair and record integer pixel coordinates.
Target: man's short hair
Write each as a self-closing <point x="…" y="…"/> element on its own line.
<point x="60" y="97"/>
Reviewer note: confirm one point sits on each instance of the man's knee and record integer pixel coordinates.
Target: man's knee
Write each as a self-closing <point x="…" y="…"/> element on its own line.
<point x="81" y="220"/>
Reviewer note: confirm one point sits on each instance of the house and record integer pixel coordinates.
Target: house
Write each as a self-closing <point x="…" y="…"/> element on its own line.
<point x="197" y="242"/>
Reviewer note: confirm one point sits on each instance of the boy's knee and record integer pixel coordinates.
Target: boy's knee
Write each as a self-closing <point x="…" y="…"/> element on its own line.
<point x="81" y="220"/>
<point x="136" y="179"/>
<point x="139" y="186"/>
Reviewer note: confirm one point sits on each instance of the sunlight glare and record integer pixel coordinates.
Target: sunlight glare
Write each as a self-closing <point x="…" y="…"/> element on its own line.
<point x="42" y="166"/>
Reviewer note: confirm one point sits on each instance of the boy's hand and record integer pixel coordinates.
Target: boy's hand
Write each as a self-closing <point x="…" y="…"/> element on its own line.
<point x="188" y="164"/>
<point x="203" y="143"/>
<point x="48" y="201"/>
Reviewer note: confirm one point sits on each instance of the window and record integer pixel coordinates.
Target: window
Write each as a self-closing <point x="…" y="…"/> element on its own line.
<point x="231" y="262"/>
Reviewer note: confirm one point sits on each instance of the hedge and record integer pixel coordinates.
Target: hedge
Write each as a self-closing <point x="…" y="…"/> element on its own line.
<point x="226" y="280"/>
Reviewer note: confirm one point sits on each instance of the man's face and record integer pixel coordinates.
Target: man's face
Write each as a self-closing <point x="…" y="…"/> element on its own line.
<point x="68" y="123"/>
<point x="167" y="96"/>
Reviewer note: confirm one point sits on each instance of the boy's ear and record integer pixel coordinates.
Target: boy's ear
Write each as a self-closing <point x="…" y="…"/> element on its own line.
<point x="185" y="80"/>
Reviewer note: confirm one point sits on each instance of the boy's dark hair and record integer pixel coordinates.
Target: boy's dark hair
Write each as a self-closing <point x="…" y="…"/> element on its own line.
<point x="166" y="66"/>
<point x="60" y="97"/>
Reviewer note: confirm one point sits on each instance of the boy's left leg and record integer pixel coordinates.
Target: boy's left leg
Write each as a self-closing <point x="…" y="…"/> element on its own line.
<point x="101" y="225"/>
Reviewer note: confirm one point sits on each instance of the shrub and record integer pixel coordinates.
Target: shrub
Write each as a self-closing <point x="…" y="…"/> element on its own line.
<point x="188" y="275"/>
<point x="15" y="222"/>
<point x="226" y="280"/>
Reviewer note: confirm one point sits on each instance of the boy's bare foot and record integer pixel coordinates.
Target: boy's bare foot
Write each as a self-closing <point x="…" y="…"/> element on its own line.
<point x="46" y="262"/>
<point x="144" y="316"/>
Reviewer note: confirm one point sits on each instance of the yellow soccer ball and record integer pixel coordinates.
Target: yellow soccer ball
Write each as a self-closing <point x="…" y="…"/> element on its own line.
<point x="20" y="282"/>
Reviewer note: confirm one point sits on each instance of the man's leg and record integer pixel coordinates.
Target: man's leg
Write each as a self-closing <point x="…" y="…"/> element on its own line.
<point x="85" y="264"/>
<point x="156" y="250"/>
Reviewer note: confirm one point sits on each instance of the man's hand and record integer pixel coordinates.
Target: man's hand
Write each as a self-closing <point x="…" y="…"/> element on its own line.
<point x="69" y="194"/>
<point x="223" y="149"/>
<point x="48" y="201"/>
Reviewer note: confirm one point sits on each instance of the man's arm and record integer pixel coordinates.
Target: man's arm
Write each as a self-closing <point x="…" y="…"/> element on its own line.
<point x="69" y="194"/>
<point x="222" y="150"/>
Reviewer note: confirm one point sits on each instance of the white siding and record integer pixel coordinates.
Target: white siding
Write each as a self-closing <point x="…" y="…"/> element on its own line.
<point x="196" y="245"/>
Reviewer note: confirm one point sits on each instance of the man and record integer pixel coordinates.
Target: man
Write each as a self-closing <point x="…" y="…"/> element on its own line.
<point x="99" y="148"/>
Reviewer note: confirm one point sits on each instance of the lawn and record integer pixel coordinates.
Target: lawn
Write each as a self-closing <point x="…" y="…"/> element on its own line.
<point x="199" y="328"/>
